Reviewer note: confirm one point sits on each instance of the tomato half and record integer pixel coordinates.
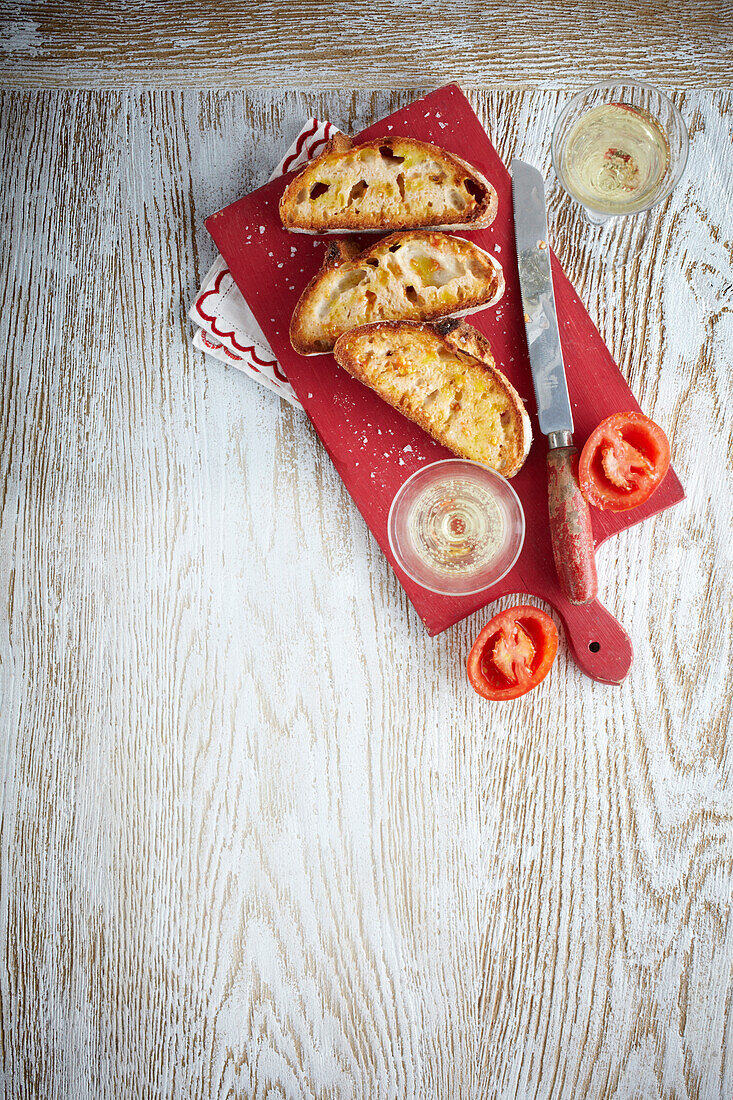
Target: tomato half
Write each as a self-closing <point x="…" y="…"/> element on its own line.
<point x="623" y="462"/>
<point x="513" y="653"/>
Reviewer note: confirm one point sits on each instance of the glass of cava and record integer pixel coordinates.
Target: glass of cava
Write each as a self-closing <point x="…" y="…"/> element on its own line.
<point x="619" y="148"/>
<point x="456" y="527"/>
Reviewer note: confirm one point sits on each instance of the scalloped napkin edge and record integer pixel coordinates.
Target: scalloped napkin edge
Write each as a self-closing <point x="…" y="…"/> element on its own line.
<point x="226" y="326"/>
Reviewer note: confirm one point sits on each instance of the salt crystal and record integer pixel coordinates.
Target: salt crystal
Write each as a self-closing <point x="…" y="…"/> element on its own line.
<point x="262" y="229"/>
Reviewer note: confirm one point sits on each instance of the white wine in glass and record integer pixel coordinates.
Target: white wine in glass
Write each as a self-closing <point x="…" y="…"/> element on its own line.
<point x="619" y="148"/>
<point x="615" y="158"/>
<point x="456" y="527"/>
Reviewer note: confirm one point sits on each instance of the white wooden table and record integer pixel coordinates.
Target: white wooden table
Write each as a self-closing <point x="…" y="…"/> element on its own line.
<point x="259" y="839"/>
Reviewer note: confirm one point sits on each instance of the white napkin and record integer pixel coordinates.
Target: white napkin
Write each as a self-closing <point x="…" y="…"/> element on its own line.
<point x="227" y="328"/>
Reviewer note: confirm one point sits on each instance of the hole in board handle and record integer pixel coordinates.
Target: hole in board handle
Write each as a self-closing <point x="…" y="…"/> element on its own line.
<point x="594" y="646"/>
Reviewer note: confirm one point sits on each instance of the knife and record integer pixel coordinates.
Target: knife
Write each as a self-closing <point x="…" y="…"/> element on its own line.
<point x="570" y="527"/>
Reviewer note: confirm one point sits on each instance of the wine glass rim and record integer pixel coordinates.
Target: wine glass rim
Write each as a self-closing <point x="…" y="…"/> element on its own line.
<point x="449" y="461"/>
<point x="397" y="554"/>
<point x="681" y="163"/>
<point x="462" y="462"/>
<point x="620" y="83"/>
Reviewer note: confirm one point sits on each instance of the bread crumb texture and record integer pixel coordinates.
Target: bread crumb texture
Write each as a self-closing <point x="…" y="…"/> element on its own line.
<point x="461" y="401"/>
<point x="390" y="183"/>
<point x="415" y="276"/>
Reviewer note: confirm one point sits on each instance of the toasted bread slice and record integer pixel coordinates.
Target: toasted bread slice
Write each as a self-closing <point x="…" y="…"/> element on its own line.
<point x="389" y="183"/>
<point x="415" y="276"/>
<point x="443" y="377"/>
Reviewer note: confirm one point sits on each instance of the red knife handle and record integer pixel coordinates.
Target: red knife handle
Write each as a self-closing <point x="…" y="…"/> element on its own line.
<point x="572" y="537"/>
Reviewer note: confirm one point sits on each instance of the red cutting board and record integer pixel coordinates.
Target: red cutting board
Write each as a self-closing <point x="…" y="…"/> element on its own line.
<point x="375" y="449"/>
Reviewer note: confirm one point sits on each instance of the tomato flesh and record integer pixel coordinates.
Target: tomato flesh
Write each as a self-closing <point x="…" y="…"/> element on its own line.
<point x="513" y="653"/>
<point x="623" y="462"/>
<point x="623" y="465"/>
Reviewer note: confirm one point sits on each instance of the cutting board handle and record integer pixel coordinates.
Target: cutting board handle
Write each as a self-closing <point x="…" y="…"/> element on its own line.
<point x="600" y="645"/>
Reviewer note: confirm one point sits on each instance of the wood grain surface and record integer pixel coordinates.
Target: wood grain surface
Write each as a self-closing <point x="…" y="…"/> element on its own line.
<point x="258" y="839"/>
<point x="356" y="43"/>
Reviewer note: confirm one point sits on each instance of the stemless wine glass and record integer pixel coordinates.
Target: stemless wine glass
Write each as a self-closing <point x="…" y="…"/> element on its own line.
<point x="619" y="148"/>
<point x="456" y="527"/>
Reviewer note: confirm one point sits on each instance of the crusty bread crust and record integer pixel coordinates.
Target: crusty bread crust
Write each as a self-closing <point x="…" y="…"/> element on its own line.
<point x="419" y="275"/>
<point x="444" y="378"/>
<point x="386" y="184"/>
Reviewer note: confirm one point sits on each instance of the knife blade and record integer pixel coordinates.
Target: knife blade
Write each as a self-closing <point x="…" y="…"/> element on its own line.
<point x="538" y="300"/>
<point x="570" y="526"/>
